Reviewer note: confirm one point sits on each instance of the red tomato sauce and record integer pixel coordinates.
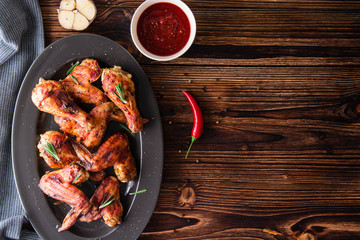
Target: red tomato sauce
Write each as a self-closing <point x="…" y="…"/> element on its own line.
<point x="163" y="29"/>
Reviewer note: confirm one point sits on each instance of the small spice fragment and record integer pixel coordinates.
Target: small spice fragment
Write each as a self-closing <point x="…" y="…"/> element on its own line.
<point x="51" y="150"/>
<point x="107" y="202"/>
<point x="72" y="68"/>
<point x="58" y="203"/>
<point x="138" y="192"/>
<point x="120" y="93"/>
<point x="77" y="177"/>
<point x="125" y="128"/>
<point x="74" y="79"/>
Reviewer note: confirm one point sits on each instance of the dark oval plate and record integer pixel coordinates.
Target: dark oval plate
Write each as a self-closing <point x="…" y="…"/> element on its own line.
<point x="29" y="123"/>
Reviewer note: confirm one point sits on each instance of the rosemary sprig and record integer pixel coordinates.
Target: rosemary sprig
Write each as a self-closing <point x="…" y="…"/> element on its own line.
<point x="107" y="202"/>
<point x="74" y="79"/>
<point x="77" y="177"/>
<point x="51" y="150"/>
<point x="140" y="191"/>
<point x="125" y="128"/>
<point x="120" y="92"/>
<point x="72" y="68"/>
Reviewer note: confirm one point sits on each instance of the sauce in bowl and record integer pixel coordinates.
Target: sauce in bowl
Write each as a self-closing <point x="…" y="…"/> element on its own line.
<point x="163" y="29"/>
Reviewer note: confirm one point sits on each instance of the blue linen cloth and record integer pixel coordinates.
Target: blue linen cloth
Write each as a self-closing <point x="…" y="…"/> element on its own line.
<point x="21" y="41"/>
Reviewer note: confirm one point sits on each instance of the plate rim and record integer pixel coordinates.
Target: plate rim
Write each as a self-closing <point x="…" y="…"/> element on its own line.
<point x="154" y="194"/>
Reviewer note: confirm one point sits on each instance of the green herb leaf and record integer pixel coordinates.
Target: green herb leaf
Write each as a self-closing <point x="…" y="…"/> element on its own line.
<point x="72" y="68"/>
<point x="140" y="191"/>
<point x="77" y="177"/>
<point x="107" y="202"/>
<point x="120" y="92"/>
<point x="51" y="150"/>
<point x="74" y="79"/>
<point x="125" y="128"/>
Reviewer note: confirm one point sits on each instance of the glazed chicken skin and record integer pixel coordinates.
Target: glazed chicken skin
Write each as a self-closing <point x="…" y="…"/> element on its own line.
<point x="125" y="169"/>
<point x="62" y="146"/>
<point x="107" y="192"/>
<point x="51" y="97"/>
<point x="97" y="176"/>
<point x="100" y="117"/>
<point x="64" y="151"/>
<point x="112" y="77"/>
<point x="59" y="185"/>
<point x="115" y="151"/>
<point x="82" y="90"/>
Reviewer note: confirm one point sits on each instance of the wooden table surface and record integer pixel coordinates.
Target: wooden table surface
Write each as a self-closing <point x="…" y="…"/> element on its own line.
<point x="279" y="86"/>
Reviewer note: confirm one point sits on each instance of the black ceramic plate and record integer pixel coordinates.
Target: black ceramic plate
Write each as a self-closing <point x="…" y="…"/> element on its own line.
<point x="28" y="123"/>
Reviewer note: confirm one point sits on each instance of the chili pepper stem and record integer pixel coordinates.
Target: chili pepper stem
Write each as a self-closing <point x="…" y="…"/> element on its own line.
<point x="193" y="139"/>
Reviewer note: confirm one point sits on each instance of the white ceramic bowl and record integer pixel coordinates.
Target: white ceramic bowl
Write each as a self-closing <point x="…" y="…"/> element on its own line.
<point x="135" y="19"/>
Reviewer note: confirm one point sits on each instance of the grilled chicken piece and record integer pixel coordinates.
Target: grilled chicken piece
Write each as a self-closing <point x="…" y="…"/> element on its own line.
<point x="100" y="117"/>
<point x="125" y="169"/>
<point x="97" y="176"/>
<point x="115" y="151"/>
<point x="60" y="185"/>
<point x="64" y="151"/>
<point x="62" y="146"/>
<point x="107" y="192"/>
<point x="112" y="77"/>
<point x="51" y="97"/>
<point x="82" y="90"/>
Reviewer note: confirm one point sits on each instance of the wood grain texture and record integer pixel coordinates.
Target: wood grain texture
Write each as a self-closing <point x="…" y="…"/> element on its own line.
<point x="279" y="86"/>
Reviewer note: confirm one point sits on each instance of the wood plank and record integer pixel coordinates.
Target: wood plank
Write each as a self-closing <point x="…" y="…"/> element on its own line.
<point x="278" y="83"/>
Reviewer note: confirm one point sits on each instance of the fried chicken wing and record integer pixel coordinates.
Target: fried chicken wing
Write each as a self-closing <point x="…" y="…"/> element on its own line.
<point x="116" y="77"/>
<point x="107" y="192"/>
<point x="100" y="117"/>
<point x="62" y="146"/>
<point x="64" y="151"/>
<point x="51" y="97"/>
<point x="78" y="83"/>
<point x="115" y="151"/>
<point x="59" y="185"/>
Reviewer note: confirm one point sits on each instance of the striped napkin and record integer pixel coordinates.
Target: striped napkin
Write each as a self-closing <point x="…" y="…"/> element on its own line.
<point x="21" y="41"/>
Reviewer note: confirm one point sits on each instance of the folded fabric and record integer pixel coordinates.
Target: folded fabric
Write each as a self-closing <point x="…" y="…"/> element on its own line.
<point x="21" y="41"/>
<point x="12" y="26"/>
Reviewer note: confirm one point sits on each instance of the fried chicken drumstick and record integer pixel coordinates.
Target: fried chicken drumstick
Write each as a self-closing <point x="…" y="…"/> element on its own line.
<point x="119" y="87"/>
<point x="78" y="83"/>
<point x="60" y="185"/>
<point x="100" y="116"/>
<point x="51" y="97"/>
<point x="105" y="203"/>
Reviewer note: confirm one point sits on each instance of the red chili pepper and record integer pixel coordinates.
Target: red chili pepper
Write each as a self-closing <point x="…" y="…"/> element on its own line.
<point x="198" y="120"/>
